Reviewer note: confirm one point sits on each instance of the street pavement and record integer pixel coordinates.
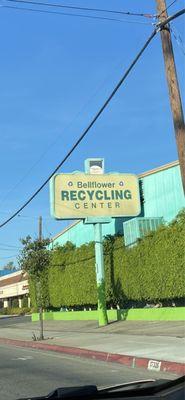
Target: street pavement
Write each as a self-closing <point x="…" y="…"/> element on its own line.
<point x="148" y="339"/>
<point x="11" y="320"/>
<point x="31" y="372"/>
<point x="148" y="328"/>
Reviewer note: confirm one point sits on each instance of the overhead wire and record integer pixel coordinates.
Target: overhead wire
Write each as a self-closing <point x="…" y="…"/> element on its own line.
<point x="66" y="6"/>
<point x="26" y="216"/>
<point x="46" y="228"/>
<point x="70" y="7"/>
<point x="159" y="26"/>
<point x="37" y="10"/>
<point x="8" y="249"/>
<point x="13" y="256"/>
<point x="82" y="136"/>
<point x="56" y="139"/>
<point x="33" y="216"/>
<point x="178" y="39"/>
<point x="61" y="6"/>
<point x="10" y="246"/>
<point x="165" y="9"/>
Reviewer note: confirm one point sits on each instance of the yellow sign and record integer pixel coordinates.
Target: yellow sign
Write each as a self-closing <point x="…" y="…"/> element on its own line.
<point x="78" y="196"/>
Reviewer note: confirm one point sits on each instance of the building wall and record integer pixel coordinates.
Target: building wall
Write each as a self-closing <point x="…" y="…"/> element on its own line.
<point x="162" y="194"/>
<point x="14" y="290"/>
<point x="80" y="233"/>
<point x="12" y="286"/>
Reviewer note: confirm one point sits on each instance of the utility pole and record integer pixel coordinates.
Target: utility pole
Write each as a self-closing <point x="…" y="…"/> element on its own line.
<point x="39" y="290"/>
<point x="40" y="228"/>
<point x="173" y="87"/>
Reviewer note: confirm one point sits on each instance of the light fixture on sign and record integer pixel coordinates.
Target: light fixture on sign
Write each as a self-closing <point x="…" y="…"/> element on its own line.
<point x="96" y="167"/>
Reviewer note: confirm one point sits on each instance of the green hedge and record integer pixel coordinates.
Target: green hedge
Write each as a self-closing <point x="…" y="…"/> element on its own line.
<point x="15" y="311"/>
<point x="72" y="276"/>
<point x="151" y="271"/>
<point x="44" y="291"/>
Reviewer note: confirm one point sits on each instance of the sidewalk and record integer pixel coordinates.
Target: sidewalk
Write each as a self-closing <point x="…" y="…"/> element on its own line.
<point x="154" y="345"/>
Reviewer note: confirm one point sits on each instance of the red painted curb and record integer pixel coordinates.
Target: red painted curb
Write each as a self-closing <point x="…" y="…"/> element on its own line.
<point x="129" y="361"/>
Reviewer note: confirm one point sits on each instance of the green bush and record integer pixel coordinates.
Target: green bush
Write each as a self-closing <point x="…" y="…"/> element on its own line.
<point x="44" y="291"/>
<point x="72" y="276"/>
<point x="32" y="293"/>
<point x="15" y="311"/>
<point x="151" y="271"/>
<point x="25" y="302"/>
<point x="15" y="303"/>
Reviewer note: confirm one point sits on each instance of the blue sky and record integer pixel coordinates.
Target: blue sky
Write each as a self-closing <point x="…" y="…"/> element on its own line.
<point x="56" y="71"/>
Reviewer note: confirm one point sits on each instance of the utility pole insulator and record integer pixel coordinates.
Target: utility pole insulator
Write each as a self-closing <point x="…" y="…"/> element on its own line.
<point x="173" y="87"/>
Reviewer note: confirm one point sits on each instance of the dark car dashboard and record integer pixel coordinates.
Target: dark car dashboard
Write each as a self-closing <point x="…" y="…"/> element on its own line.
<point x="146" y="390"/>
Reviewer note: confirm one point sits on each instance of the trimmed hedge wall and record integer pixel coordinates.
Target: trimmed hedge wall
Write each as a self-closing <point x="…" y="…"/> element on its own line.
<point x="72" y="278"/>
<point x="151" y="271"/>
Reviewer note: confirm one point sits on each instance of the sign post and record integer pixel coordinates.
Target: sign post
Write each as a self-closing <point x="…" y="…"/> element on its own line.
<point x="96" y="167"/>
<point x="100" y="275"/>
<point x="95" y="198"/>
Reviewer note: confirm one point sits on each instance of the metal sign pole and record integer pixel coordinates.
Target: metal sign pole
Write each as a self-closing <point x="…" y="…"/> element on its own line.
<point x="94" y="166"/>
<point x="100" y="275"/>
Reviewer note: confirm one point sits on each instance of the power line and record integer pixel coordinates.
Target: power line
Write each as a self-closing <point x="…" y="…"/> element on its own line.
<point x="162" y="12"/>
<point x="46" y="229"/>
<point x="51" y="145"/>
<point x="3" y="258"/>
<point x="33" y="217"/>
<point x="54" y="142"/>
<point x="36" y="10"/>
<point x="10" y="246"/>
<point x="159" y="26"/>
<point x="171" y="4"/>
<point x="178" y="39"/>
<point x="54" y="5"/>
<point x="85" y="131"/>
<point x="26" y="216"/>
<point x="8" y="249"/>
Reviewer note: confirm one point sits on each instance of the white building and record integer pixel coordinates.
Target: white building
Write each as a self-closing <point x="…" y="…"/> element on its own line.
<point x="13" y="286"/>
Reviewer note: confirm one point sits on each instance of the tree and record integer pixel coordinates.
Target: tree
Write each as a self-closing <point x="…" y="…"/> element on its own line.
<point x="34" y="259"/>
<point x="10" y="266"/>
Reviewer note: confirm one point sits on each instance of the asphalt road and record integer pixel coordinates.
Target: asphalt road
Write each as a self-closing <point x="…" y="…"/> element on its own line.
<point x="7" y="321"/>
<point x="29" y="372"/>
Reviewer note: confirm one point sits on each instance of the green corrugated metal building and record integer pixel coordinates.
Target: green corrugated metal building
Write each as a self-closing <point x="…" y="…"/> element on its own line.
<point x="162" y="198"/>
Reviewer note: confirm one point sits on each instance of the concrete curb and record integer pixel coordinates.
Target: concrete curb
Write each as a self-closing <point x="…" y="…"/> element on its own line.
<point x="129" y="361"/>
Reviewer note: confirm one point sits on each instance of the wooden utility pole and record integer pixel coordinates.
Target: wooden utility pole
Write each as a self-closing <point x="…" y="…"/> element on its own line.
<point x="40" y="228"/>
<point x="39" y="290"/>
<point x="173" y="87"/>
